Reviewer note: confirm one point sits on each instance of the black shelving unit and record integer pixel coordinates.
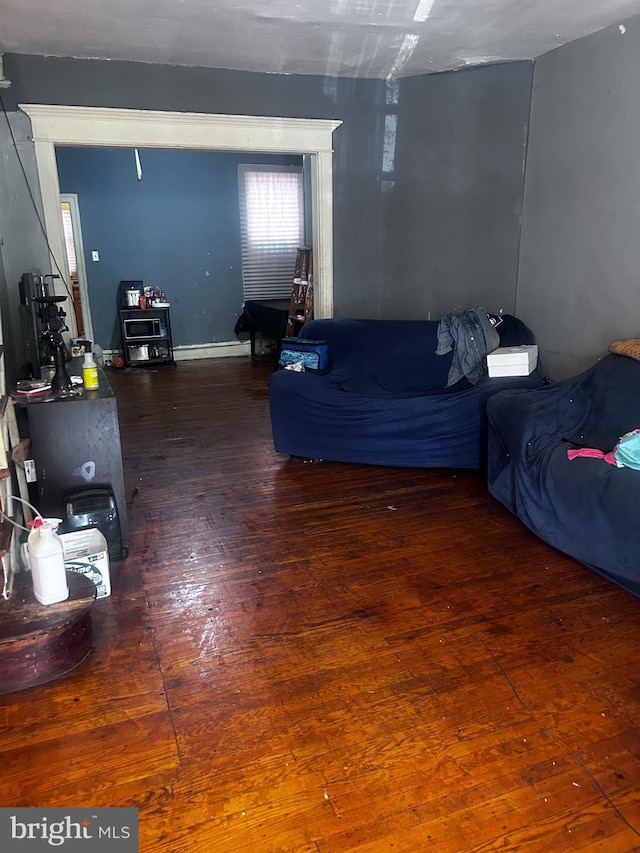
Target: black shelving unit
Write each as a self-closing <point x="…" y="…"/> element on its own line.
<point x="146" y="336"/>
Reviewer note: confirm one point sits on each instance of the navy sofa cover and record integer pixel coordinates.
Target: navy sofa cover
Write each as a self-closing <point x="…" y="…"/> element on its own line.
<point x="584" y="507"/>
<point x="385" y="400"/>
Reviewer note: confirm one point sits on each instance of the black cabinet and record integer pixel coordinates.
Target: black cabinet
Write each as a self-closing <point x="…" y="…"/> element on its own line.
<point x="76" y="446"/>
<point x="146" y="336"/>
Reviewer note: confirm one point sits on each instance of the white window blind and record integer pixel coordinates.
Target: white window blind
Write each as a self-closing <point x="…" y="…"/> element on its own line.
<point x="272" y="228"/>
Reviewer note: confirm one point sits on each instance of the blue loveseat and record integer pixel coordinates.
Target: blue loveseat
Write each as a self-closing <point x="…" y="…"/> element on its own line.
<point x="385" y="400"/>
<point x="582" y="506"/>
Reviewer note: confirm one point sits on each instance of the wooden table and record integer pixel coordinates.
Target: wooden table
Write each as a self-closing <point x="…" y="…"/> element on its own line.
<point x="40" y="643"/>
<point x="266" y="316"/>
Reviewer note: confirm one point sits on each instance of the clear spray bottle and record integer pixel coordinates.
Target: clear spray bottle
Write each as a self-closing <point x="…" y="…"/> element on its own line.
<point x="46" y="561"/>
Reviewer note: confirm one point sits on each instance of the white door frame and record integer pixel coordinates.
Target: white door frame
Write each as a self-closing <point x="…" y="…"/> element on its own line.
<point x="86" y="126"/>
<point x="72" y="200"/>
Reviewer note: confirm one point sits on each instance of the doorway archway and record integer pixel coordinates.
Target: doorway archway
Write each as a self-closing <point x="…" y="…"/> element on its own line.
<point x="85" y="126"/>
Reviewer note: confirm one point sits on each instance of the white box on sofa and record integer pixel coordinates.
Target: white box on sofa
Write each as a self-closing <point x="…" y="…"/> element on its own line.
<point x="86" y="552"/>
<point x="513" y="361"/>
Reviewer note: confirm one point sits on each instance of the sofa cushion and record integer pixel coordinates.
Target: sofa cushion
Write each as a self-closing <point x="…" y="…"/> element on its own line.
<point x="384" y="359"/>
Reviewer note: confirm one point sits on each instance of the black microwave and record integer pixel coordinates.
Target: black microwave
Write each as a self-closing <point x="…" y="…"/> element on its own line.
<point x="142" y="327"/>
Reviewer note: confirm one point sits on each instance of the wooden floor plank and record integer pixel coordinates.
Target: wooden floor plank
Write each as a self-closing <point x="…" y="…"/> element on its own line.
<point x="321" y="657"/>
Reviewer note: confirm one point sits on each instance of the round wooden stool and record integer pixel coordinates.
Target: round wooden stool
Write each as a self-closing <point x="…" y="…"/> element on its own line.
<point x="41" y="643"/>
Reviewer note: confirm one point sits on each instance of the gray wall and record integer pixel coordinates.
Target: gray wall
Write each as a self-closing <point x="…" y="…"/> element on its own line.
<point x="441" y="199"/>
<point x="453" y="216"/>
<point x="426" y="216"/>
<point x="23" y="247"/>
<point x="438" y="230"/>
<point x="579" y="277"/>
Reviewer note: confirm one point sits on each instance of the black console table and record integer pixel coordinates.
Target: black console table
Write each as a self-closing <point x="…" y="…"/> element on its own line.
<point x="75" y="444"/>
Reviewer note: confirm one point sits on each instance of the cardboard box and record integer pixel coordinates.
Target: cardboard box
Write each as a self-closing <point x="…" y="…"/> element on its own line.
<point x="86" y="552"/>
<point x="513" y="361"/>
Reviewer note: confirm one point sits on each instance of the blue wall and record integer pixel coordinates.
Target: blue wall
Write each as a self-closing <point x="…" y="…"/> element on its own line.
<point x="178" y="229"/>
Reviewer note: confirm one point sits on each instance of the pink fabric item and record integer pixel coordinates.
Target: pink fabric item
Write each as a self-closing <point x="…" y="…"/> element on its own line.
<point x="592" y="453"/>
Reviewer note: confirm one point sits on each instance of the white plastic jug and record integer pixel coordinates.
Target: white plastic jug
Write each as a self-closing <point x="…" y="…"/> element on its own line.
<point x="46" y="560"/>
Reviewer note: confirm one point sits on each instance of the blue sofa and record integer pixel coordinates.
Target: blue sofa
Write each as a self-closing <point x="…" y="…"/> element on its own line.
<point x="584" y="506"/>
<point x="385" y="400"/>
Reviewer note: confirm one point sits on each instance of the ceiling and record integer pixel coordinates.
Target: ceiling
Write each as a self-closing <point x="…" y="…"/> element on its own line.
<point x="345" y="38"/>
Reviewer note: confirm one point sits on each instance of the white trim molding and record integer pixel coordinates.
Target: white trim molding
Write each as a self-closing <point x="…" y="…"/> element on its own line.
<point x="222" y="349"/>
<point x="60" y="125"/>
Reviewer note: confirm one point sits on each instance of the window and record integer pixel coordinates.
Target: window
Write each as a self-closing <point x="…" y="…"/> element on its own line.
<point x="272" y="228"/>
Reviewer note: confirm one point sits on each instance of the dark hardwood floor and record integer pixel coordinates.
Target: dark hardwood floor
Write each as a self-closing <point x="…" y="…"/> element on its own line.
<point x="320" y="657"/>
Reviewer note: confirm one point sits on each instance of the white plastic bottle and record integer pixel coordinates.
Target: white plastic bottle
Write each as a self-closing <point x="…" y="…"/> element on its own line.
<point x="46" y="560"/>
<point x="89" y="370"/>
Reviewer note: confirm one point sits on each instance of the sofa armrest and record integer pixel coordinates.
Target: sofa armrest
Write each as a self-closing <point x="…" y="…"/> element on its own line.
<point x="525" y="419"/>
